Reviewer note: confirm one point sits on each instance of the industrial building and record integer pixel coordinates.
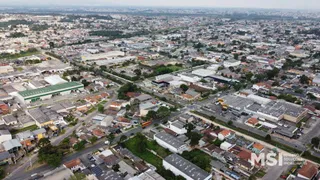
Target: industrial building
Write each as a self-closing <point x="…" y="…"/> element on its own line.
<point x="33" y="95"/>
<point x="265" y="109"/>
<point x="170" y="142"/>
<point x="182" y="167"/>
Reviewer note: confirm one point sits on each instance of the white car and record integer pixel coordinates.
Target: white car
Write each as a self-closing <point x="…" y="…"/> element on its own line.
<point x="106" y="142"/>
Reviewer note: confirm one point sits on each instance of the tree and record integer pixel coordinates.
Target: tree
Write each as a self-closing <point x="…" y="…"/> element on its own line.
<point x="315" y="141"/>
<point x="230" y="123"/>
<point x="194" y="138"/>
<point x="311" y="96"/>
<point x="129" y="87"/>
<point x="249" y="76"/>
<point x="272" y="73"/>
<point x="79" y="146"/>
<point x="93" y="139"/>
<point x="43" y="142"/>
<point x="2" y="173"/>
<point x="51" y="44"/>
<point x="137" y="72"/>
<point x="236" y="56"/>
<point x="116" y="167"/>
<point x="50" y="155"/>
<point x="304" y="79"/>
<point x="151" y="115"/>
<point x="268" y="137"/>
<point x="189" y="127"/>
<point x="184" y="87"/>
<point x="85" y="83"/>
<point x="163" y="112"/>
<point x="100" y="108"/>
<point x="78" y="176"/>
<point x="141" y="143"/>
<point x="110" y="138"/>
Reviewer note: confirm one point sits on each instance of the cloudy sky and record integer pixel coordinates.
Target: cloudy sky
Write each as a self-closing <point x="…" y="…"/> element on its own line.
<point x="283" y="4"/>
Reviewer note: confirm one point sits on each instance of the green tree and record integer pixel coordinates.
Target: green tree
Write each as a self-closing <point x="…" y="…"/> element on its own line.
<point x="304" y="79"/>
<point x="184" y="87"/>
<point x="116" y="167"/>
<point x="50" y="155"/>
<point x="43" y="142"/>
<point x="315" y="141"/>
<point x="100" y="108"/>
<point x="194" y="138"/>
<point x="110" y="138"/>
<point x="141" y="143"/>
<point x="79" y="146"/>
<point x="51" y="44"/>
<point x="163" y="112"/>
<point x="268" y="137"/>
<point x="93" y="139"/>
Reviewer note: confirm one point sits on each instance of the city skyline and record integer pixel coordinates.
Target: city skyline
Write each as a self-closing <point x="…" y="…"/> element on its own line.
<point x="271" y="4"/>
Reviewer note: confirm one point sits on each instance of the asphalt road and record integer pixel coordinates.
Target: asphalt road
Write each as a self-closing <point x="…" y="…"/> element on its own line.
<point x="22" y="174"/>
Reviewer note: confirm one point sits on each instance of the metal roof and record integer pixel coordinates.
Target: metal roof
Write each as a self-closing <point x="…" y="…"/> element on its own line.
<point x="186" y="167"/>
<point x="50" y="89"/>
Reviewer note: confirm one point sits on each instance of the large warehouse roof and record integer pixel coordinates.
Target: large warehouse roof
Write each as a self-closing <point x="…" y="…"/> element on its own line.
<point x="51" y="89"/>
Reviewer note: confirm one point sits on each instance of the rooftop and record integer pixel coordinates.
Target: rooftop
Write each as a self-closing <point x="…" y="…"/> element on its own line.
<point x="169" y="139"/>
<point x="186" y="167"/>
<point x="50" y="89"/>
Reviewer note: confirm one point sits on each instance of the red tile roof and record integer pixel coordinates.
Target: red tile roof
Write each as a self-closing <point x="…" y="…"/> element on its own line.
<point x="308" y="170"/>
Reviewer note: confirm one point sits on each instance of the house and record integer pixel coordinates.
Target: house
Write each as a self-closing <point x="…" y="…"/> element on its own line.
<point x="182" y="167"/>
<point x="244" y="165"/>
<point x="98" y="133"/>
<point x="257" y="148"/>
<point x="190" y="95"/>
<point x="9" y="120"/>
<point x="146" y="107"/>
<point x="5" y="158"/>
<point x="308" y="171"/>
<point x="25" y="120"/>
<point x="39" y="133"/>
<point x="11" y="145"/>
<point x="215" y="152"/>
<point x="226" y="146"/>
<point x="110" y="160"/>
<point x="40" y="117"/>
<point x="4" y="108"/>
<point x="224" y="134"/>
<point x="5" y="135"/>
<point x="178" y="127"/>
<point x="170" y="142"/>
<point x="102" y="120"/>
<point x="253" y="122"/>
<point x="74" y="165"/>
<point x="186" y="118"/>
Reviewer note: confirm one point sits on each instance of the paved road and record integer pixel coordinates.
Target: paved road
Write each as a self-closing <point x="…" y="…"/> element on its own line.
<point x="22" y="175"/>
<point x="270" y="146"/>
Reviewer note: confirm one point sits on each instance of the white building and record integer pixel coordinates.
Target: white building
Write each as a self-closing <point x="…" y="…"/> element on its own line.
<point x="5" y="135"/>
<point x="182" y="167"/>
<point x="178" y="127"/>
<point x="170" y="142"/>
<point x="231" y="63"/>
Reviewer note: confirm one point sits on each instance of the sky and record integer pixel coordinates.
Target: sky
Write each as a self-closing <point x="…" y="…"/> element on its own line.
<point x="278" y="4"/>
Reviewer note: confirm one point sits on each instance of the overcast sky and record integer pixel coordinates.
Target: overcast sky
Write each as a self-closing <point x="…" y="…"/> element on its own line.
<point x="283" y="4"/>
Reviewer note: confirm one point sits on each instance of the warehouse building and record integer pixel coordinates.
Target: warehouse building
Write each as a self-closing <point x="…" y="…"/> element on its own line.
<point x="170" y="142"/>
<point x="182" y="167"/>
<point x="33" y="95"/>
